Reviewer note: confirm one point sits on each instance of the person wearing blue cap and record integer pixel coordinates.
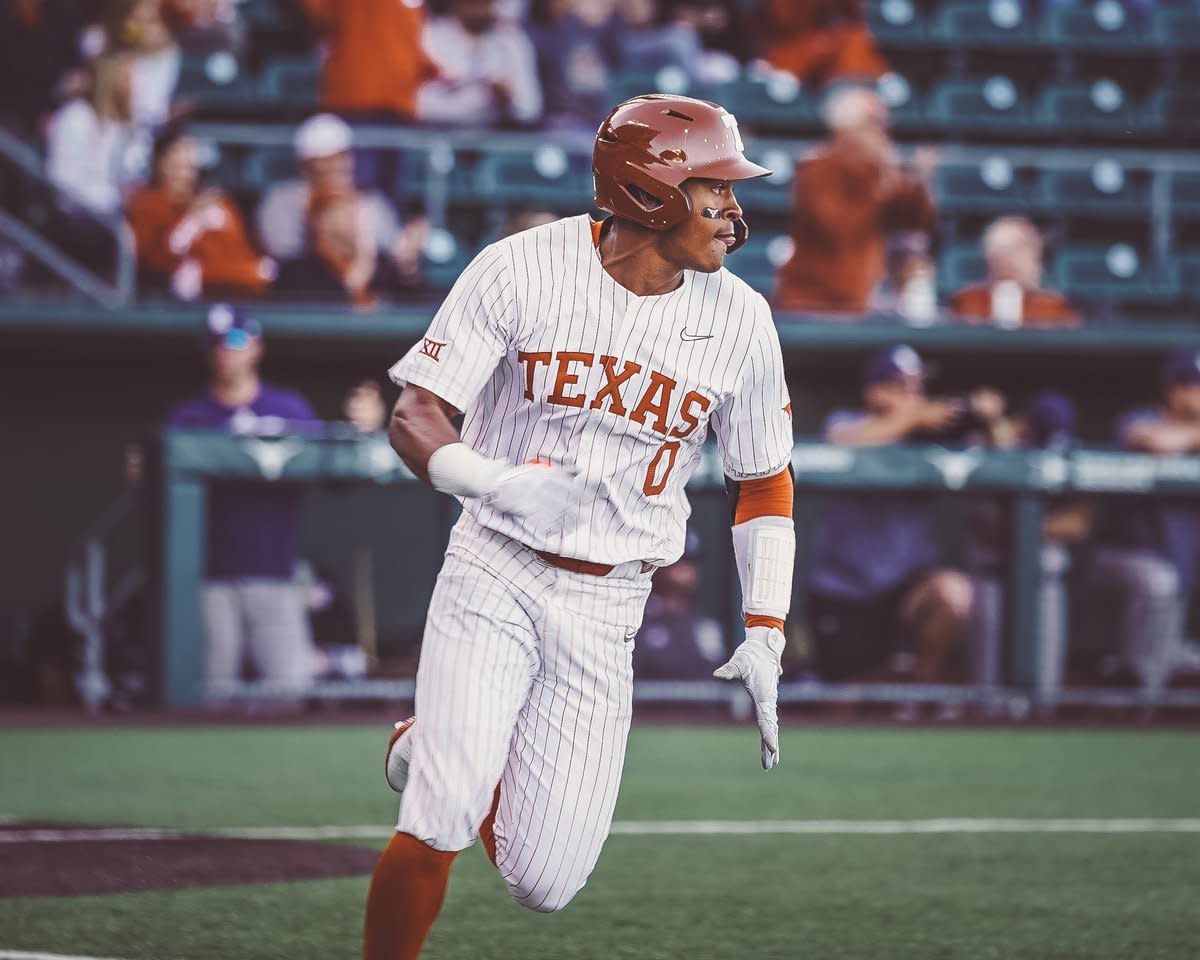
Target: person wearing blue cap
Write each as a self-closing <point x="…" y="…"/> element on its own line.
<point x="251" y="604"/>
<point x="1150" y="544"/>
<point x="877" y="594"/>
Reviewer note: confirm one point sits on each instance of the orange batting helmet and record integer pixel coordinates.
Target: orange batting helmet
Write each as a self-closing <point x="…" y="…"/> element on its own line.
<point x="650" y="144"/>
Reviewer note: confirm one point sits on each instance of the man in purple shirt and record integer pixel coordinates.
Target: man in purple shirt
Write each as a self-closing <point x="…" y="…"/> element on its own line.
<point x="251" y="603"/>
<point x="1149" y="546"/>
<point x="879" y="601"/>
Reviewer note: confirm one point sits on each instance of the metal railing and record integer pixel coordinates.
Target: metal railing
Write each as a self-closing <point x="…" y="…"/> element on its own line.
<point x="110" y="295"/>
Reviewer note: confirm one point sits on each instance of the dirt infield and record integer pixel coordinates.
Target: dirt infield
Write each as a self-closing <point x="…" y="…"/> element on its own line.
<point x="85" y="866"/>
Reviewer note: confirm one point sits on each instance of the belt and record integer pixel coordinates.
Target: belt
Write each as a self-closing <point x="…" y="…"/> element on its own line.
<point x="583" y="566"/>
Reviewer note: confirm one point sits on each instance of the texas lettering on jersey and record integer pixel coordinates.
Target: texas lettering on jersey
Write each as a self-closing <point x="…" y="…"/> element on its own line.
<point x="550" y="359"/>
<point x="650" y="409"/>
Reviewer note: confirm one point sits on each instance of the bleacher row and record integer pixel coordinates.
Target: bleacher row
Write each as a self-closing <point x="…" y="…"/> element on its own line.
<point x="996" y="106"/>
<point x="1079" y="200"/>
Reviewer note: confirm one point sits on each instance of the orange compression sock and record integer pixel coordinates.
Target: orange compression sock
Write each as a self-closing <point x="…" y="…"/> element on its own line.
<point x="407" y="890"/>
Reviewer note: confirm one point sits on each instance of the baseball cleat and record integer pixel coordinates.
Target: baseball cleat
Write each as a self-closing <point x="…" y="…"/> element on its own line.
<point x="399" y="755"/>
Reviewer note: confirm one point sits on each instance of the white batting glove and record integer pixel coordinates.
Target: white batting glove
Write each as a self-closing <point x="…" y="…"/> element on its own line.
<point x="756" y="662"/>
<point x="548" y="498"/>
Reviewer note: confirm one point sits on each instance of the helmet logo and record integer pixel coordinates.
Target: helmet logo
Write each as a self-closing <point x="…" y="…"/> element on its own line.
<point x="731" y="122"/>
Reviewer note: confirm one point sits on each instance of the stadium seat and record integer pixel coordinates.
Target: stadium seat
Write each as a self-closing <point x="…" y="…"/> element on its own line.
<point x="266" y="165"/>
<point x="547" y="176"/>
<point x="1104" y="189"/>
<point x="778" y="103"/>
<point x="959" y="266"/>
<point x="1099" y="106"/>
<point x="993" y="105"/>
<point x="992" y="186"/>
<point x="293" y="83"/>
<point x="1175" y="27"/>
<point x="266" y="15"/>
<point x="1186" y="268"/>
<point x="897" y="23"/>
<point x="1176" y="112"/>
<point x="214" y="81"/>
<point x="971" y="23"/>
<point x="1185" y="194"/>
<point x="669" y="79"/>
<point x="443" y="258"/>
<point x="760" y="259"/>
<point x="1118" y="274"/>
<point x="773" y="194"/>
<point x="904" y="104"/>
<point x="1102" y="26"/>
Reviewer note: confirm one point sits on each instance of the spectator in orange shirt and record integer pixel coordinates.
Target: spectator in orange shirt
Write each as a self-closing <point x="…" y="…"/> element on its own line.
<point x="374" y="65"/>
<point x="189" y="238"/>
<point x="820" y="41"/>
<point x="848" y="196"/>
<point x="1012" y="295"/>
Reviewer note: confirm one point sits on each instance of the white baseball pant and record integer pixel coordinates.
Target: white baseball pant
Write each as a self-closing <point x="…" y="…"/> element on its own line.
<point x="525" y="680"/>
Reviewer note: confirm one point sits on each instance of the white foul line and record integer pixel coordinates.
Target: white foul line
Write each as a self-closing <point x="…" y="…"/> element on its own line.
<point x="644" y="828"/>
<point x="23" y="955"/>
<point x="893" y="827"/>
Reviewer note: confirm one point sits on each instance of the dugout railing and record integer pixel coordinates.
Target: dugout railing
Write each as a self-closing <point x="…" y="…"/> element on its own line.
<point x="189" y="461"/>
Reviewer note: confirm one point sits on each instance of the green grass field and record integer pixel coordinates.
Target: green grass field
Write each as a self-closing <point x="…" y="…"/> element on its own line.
<point x="1134" y="896"/>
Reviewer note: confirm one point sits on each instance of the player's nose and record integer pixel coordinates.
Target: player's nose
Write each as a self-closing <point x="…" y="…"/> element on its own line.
<point x="732" y="210"/>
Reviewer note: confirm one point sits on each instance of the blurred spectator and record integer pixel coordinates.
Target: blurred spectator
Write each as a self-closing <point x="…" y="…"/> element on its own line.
<point x="909" y="286"/>
<point x="253" y="607"/>
<point x="92" y="150"/>
<point x="286" y="214"/>
<point x="487" y="70"/>
<point x="1049" y="424"/>
<point x="343" y="261"/>
<point x="577" y="48"/>
<point x="93" y="153"/>
<point x="364" y="407"/>
<point x="206" y="26"/>
<point x="39" y="43"/>
<point x="820" y="41"/>
<point x="192" y="239"/>
<point x="375" y="62"/>
<point x="675" y="642"/>
<point x="848" y="196"/>
<point x="138" y="29"/>
<point x="1013" y="295"/>
<point x="1150" y="544"/>
<point x="675" y="34"/>
<point x="877" y="596"/>
<point x="721" y="25"/>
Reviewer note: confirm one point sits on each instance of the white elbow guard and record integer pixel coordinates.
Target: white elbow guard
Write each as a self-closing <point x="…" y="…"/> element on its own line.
<point x="460" y="471"/>
<point x="765" y="552"/>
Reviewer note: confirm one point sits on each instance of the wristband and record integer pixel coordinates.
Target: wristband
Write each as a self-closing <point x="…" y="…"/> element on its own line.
<point x="460" y="471"/>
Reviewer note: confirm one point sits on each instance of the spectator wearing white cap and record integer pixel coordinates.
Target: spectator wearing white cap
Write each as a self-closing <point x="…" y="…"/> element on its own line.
<point x="324" y="148"/>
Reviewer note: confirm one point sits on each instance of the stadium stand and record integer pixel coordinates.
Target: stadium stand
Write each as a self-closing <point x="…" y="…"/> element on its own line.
<point x="1083" y="116"/>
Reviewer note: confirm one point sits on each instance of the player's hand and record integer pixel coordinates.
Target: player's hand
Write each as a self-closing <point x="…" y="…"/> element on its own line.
<point x="937" y="415"/>
<point x="756" y="662"/>
<point x="548" y="498"/>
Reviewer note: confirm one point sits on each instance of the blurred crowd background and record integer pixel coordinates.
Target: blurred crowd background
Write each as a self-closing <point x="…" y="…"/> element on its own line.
<point x="977" y="164"/>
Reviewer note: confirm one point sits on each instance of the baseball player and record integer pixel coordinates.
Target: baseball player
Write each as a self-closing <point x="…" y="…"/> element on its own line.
<point x="590" y="361"/>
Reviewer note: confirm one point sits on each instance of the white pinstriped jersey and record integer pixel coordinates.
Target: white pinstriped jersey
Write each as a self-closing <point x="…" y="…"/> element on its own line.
<point x="550" y="358"/>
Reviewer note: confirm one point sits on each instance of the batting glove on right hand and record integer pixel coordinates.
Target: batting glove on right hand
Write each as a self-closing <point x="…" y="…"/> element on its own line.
<point x="546" y="497"/>
<point x="756" y="662"/>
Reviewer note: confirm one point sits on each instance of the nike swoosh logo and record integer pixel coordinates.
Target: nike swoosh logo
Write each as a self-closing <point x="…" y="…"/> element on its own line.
<point x="684" y="335"/>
